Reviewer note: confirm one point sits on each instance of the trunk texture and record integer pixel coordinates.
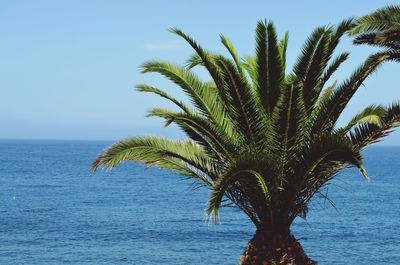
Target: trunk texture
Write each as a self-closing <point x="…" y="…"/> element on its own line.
<point x="267" y="249"/>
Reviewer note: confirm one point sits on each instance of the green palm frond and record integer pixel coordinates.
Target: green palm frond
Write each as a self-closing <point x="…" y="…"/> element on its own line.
<point x="240" y="99"/>
<point x="199" y="129"/>
<point x="282" y="49"/>
<point x="270" y="72"/>
<point x="315" y="68"/>
<point x="368" y="133"/>
<point x="154" y="90"/>
<point x="194" y="61"/>
<point x="387" y="18"/>
<point x="286" y="121"/>
<point x="333" y="66"/>
<point x="226" y="181"/>
<point x="372" y="114"/>
<point x="333" y="106"/>
<point x="388" y="39"/>
<point x="179" y="156"/>
<point x="339" y="32"/>
<point x="380" y="28"/>
<point x="203" y="97"/>
<point x="229" y="46"/>
<point x="207" y="58"/>
<point x="301" y="66"/>
<point x="250" y="65"/>
<point x="327" y="155"/>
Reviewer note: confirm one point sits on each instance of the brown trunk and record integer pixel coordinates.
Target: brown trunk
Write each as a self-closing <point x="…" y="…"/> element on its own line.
<point x="267" y="249"/>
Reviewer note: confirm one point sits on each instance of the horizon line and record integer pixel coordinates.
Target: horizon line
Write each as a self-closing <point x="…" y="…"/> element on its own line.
<point x="108" y="140"/>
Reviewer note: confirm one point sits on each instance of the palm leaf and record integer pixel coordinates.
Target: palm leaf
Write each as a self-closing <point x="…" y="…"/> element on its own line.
<point x="387" y="18"/>
<point x="203" y="97"/>
<point x="154" y="90"/>
<point x="368" y="133"/>
<point x="179" y="156"/>
<point x="200" y="129"/>
<point x="372" y="114"/>
<point x="269" y="66"/>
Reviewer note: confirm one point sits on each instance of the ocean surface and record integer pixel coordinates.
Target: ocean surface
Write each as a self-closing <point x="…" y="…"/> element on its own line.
<point x="54" y="211"/>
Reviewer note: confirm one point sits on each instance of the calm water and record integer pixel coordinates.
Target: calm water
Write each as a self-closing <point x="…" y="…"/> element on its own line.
<point x="52" y="211"/>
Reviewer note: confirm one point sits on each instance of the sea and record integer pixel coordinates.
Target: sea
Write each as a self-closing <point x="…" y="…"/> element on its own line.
<point x="53" y="210"/>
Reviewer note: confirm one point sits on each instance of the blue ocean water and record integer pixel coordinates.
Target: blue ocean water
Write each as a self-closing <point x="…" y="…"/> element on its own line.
<point x="53" y="211"/>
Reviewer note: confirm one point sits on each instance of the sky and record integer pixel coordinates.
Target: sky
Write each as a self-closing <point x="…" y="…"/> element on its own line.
<point x="68" y="68"/>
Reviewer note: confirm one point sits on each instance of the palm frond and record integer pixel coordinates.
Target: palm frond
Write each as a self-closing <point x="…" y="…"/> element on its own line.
<point x="269" y="66"/>
<point x="231" y="49"/>
<point x="199" y="128"/>
<point x="333" y="66"/>
<point x="282" y="49"/>
<point x="241" y="102"/>
<point x="318" y="164"/>
<point x="154" y="90"/>
<point x="250" y="65"/>
<point x="372" y="114"/>
<point x="315" y="68"/>
<point x="179" y="156"/>
<point x="207" y="58"/>
<point x="302" y="63"/>
<point x="387" y="18"/>
<point x="368" y="133"/>
<point x="194" y="61"/>
<point x="223" y="184"/>
<point x="333" y="106"/>
<point x="204" y="98"/>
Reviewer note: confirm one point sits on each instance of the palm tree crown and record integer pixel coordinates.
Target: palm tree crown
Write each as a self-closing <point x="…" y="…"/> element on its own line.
<point x="263" y="139"/>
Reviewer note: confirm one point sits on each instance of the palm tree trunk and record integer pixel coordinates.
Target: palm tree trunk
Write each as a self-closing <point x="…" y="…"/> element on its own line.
<point x="267" y="249"/>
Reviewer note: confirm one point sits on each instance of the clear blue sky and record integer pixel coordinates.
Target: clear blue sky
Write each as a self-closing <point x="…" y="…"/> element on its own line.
<point x="68" y="68"/>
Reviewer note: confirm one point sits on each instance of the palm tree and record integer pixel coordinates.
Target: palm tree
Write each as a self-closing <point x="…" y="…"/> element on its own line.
<point x="380" y="28"/>
<point x="262" y="139"/>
